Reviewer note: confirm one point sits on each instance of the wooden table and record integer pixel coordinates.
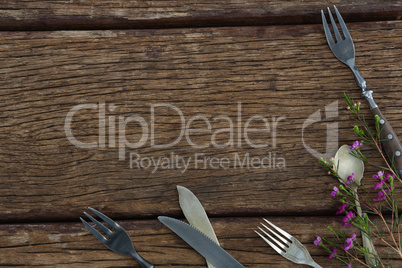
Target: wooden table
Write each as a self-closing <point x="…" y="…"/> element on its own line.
<point x="84" y="82"/>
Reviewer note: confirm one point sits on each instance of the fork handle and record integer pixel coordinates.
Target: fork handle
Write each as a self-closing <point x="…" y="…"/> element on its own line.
<point x="143" y="262"/>
<point x="390" y="141"/>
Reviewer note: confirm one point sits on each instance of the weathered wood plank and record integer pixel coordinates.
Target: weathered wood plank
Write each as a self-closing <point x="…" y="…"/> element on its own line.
<point x="281" y="71"/>
<point x="71" y="245"/>
<point x="113" y="14"/>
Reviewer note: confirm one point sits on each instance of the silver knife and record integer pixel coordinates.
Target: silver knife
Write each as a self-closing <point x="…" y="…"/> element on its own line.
<point x="201" y="243"/>
<point x="195" y="214"/>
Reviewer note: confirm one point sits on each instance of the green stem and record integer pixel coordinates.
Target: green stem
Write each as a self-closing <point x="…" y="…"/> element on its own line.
<point x="367" y="243"/>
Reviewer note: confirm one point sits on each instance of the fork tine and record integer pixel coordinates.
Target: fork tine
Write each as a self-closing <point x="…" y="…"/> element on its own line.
<point x="98" y="235"/>
<point x="336" y="31"/>
<point x="280" y="244"/>
<point x="100" y="225"/>
<point x="342" y="24"/>
<point x="105" y="218"/>
<point x="288" y="236"/>
<point x="330" y="40"/>
<point x="276" y="234"/>
<point x="280" y="251"/>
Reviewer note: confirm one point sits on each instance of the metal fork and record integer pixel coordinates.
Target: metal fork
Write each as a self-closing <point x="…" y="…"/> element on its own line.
<point x="119" y="241"/>
<point x="286" y="245"/>
<point x="344" y="50"/>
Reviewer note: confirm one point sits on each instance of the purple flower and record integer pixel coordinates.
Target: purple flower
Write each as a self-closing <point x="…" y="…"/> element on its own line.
<point x="383" y="194"/>
<point x="389" y="177"/>
<point x="380" y="197"/>
<point x="348" y="218"/>
<point x="383" y="179"/>
<point x="333" y="254"/>
<point x="349" y="265"/>
<point x="348" y="245"/>
<point x="349" y="242"/>
<point x="378" y="175"/>
<point x="335" y="191"/>
<point x="342" y="208"/>
<point x="356" y="144"/>
<point x="317" y="241"/>
<point x="378" y="185"/>
<point x="350" y="178"/>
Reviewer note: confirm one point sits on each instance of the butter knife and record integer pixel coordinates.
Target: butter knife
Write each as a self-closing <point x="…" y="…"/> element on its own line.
<point x="201" y="243"/>
<point x="196" y="215"/>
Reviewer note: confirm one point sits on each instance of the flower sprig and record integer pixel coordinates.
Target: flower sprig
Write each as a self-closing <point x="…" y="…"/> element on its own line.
<point x="358" y="201"/>
<point x="368" y="136"/>
<point x="340" y="245"/>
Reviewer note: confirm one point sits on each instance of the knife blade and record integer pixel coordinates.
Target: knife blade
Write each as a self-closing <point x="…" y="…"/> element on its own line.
<point x="195" y="214"/>
<point x="201" y="243"/>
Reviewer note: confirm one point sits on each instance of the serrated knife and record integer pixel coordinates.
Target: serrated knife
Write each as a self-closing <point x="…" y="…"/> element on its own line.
<point x="201" y="243"/>
<point x="195" y="214"/>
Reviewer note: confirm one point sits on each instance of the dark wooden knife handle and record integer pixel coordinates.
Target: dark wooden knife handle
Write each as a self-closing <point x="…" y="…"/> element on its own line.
<point x="390" y="142"/>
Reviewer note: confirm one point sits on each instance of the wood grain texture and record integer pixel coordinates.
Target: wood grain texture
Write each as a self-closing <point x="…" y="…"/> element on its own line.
<point x="71" y="245"/>
<point x="181" y="57"/>
<point x="118" y="14"/>
<point x="272" y="71"/>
